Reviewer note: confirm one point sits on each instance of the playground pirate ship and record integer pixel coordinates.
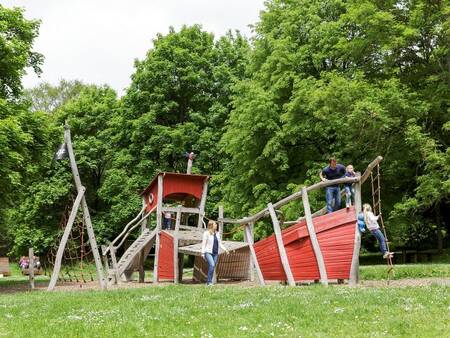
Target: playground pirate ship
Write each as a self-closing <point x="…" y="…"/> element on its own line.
<point x="318" y="246"/>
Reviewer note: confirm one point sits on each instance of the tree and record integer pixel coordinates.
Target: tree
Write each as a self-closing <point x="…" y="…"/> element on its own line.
<point x="16" y="41"/>
<point x="22" y="135"/>
<point x="178" y="101"/>
<point x="48" y="98"/>
<point x="337" y="78"/>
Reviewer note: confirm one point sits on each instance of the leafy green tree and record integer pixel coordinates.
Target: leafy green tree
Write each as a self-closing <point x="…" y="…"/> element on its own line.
<point x="22" y="135"/>
<point x="47" y="98"/>
<point x="178" y="101"/>
<point x="49" y="197"/>
<point x="338" y="78"/>
<point x="16" y="41"/>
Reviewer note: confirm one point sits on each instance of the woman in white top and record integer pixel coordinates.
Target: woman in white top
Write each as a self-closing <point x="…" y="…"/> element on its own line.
<point x="372" y="224"/>
<point x="210" y="248"/>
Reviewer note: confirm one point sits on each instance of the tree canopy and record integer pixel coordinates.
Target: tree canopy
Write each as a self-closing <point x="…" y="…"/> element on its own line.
<point x="351" y="79"/>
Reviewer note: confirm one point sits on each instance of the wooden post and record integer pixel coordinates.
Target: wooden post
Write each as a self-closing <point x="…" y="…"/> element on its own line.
<point x="254" y="258"/>
<point x="31" y="267"/>
<point x="105" y="257"/>
<point x="354" y="270"/>
<point x="220" y="220"/>
<point x="202" y="203"/>
<point x="189" y="166"/>
<point x="248" y="238"/>
<point x="158" y="227"/>
<point x="86" y="215"/>
<point x="175" y="246"/>
<point x="142" y="255"/>
<point x="313" y="238"/>
<point x="64" y="239"/>
<point x="180" y="267"/>
<point x="112" y="251"/>
<point x="281" y="248"/>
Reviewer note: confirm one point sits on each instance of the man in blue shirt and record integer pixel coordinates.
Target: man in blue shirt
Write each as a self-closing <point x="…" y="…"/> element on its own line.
<point x="333" y="193"/>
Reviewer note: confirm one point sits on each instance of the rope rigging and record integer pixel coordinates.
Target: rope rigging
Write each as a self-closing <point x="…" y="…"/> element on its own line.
<point x="376" y="202"/>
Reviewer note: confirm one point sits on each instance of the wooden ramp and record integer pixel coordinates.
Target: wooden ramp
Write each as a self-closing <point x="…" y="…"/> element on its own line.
<point x="196" y="249"/>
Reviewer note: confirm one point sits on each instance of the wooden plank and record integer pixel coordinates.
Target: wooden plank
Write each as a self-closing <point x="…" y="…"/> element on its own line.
<point x="248" y="238"/>
<point x="354" y="269"/>
<point x="254" y="258"/>
<point x="31" y="267"/>
<point x="183" y="209"/>
<point x="158" y="227"/>
<point x="220" y="220"/>
<point x="114" y="263"/>
<point x="86" y="215"/>
<point x="298" y="195"/>
<point x="64" y="239"/>
<point x="196" y="249"/>
<point x="202" y="204"/>
<point x="313" y="238"/>
<point x="142" y="255"/>
<point x="281" y="248"/>
<point x="4" y="266"/>
<point x="175" y="246"/>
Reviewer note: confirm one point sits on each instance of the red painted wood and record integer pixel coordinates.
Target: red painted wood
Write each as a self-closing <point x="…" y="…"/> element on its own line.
<point x="165" y="262"/>
<point x="335" y="233"/>
<point x="175" y="186"/>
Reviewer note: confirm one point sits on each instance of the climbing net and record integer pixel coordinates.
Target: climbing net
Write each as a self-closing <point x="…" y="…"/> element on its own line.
<point x="77" y="262"/>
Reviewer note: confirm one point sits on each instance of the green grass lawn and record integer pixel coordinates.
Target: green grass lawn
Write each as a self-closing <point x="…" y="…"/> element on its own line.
<point x="234" y="311"/>
<point x="379" y="272"/>
<point x="229" y="311"/>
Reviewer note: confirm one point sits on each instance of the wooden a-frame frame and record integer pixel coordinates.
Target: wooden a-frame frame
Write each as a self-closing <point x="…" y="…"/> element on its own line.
<point x="80" y="200"/>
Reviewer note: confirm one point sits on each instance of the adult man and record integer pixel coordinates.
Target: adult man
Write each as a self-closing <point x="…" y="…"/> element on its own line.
<point x="333" y="194"/>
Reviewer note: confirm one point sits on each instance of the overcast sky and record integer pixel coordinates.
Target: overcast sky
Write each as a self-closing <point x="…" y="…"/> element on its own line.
<point x="96" y="41"/>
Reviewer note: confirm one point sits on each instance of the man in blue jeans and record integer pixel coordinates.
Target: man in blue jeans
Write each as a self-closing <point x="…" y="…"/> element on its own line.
<point x="333" y="194"/>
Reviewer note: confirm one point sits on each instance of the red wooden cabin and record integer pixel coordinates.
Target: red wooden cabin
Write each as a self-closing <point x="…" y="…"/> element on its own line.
<point x="176" y="187"/>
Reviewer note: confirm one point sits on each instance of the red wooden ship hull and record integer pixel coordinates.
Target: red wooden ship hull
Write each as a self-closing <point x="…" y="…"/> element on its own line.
<point x="336" y="236"/>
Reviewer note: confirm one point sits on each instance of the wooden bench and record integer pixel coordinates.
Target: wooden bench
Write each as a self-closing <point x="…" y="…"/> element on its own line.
<point x="4" y="266"/>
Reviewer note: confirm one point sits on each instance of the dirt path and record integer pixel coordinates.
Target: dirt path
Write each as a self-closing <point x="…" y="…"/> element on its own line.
<point x="42" y="286"/>
<point x="398" y="283"/>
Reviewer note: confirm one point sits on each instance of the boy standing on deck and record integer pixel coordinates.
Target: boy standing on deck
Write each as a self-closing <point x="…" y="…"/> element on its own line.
<point x="332" y="193"/>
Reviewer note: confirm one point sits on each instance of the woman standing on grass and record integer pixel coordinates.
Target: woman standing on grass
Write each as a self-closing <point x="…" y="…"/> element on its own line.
<point x="210" y="249"/>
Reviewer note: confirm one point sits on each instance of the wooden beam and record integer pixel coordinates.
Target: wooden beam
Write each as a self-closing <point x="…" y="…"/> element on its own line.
<point x="175" y="246"/>
<point x="84" y="206"/>
<point x="158" y="227"/>
<point x="202" y="204"/>
<point x="142" y="255"/>
<point x="64" y="239"/>
<point x="31" y="267"/>
<point x="114" y="263"/>
<point x="313" y="238"/>
<point x="254" y="258"/>
<point x="183" y="210"/>
<point x="220" y="220"/>
<point x="298" y="195"/>
<point x="354" y="269"/>
<point x="281" y="248"/>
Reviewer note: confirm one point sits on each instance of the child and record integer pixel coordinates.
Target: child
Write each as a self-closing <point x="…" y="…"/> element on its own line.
<point x="371" y="222"/>
<point x="349" y="190"/>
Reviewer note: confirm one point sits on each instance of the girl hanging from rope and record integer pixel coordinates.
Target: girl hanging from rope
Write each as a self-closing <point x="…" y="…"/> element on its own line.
<point x="372" y="224"/>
